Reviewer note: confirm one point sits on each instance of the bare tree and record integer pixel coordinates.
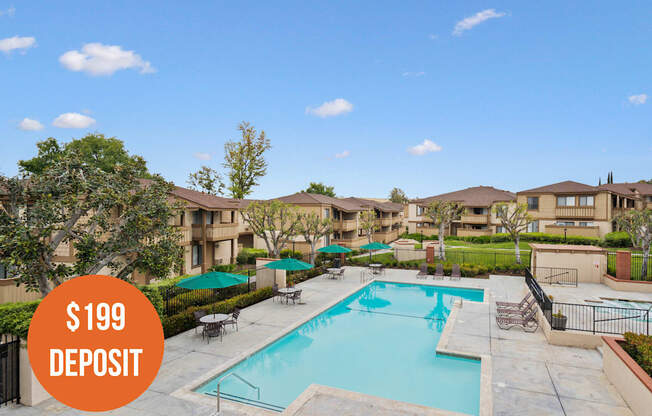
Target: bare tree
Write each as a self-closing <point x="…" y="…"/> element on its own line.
<point x="638" y="224"/>
<point x="368" y="223"/>
<point x="442" y="213"/>
<point x="313" y="228"/>
<point x="273" y="221"/>
<point x="514" y="222"/>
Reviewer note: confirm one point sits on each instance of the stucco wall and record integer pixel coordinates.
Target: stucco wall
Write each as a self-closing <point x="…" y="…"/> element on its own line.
<point x="266" y="277"/>
<point x="31" y="391"/>
<point x="629" y="385"/>
<point x="406" y="255"/>
<point x="590" y="267"/>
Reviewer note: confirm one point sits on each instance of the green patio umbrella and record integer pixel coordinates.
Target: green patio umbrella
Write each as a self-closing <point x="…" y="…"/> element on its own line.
<point x="213" y="280"/>
<point x="373" y="247"/>
<point x="289" y="264"/>
<point x="334" y="248"/>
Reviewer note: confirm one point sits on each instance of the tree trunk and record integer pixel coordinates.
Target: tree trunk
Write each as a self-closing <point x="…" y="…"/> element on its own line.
<point x="43" y="284"/>
<point x="312" y="253"/>
<point x="517" y="249"/>
<point x="442" y="250"/>
<point x="646" y="255"/>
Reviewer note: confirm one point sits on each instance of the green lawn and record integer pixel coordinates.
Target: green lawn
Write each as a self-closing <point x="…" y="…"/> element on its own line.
<point x="505" y="245"/>
<point x="460" y="256"/>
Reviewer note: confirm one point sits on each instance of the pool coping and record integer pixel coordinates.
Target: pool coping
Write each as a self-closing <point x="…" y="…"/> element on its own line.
<point x="187" y="392"/>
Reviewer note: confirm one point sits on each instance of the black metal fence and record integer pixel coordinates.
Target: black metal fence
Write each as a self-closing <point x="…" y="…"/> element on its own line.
<point x="602" y="319"/>
<point x="544" y="302"/>
<point x="488" y="258"/>
<point x="9" y="369"/>
<point x="556" y="275"/>
<point x="636" y="269"/>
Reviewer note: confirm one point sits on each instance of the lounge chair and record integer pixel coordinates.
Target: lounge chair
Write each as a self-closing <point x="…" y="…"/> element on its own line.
<point x="517" y="312"/>
<point x="233" y="320"/>
<point x="514" y="305"/>
<point x="439" y="271"/>
<point x="213" y="330"/>
<point x="455" y="274"/>
<point x="423" y="271"/>
<point x="528" y="322"/>
<point x="198" y="316"/>
<point x="294" y="297"/>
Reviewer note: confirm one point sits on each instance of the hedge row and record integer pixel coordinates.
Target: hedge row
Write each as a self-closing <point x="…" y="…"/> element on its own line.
<point x="249" y="255"/>
<point x="615" y="239"/>
<point x="639" y="347"/>
<point x="183" y="321"/>
<point x="15" y="317"/>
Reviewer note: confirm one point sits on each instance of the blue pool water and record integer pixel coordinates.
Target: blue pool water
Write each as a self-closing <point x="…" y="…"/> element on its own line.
<point x="379" y="341"/>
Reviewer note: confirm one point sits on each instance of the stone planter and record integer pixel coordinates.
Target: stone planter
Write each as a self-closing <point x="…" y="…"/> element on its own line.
<point x="559" y="323"/>
<point x="633" y="384"/>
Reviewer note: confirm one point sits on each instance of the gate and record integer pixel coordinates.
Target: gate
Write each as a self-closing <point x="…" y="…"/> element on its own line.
<point x="9" y="375"/>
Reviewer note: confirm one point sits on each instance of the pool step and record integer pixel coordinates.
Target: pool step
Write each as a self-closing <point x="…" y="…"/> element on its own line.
<point x="252" y="402"/>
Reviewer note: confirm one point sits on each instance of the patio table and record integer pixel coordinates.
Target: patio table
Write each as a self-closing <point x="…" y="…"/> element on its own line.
<point x="216" y="317"/>
<point x="287" y="291"/>
<point x="333" y="272"/>
<point x="375" y="267"/>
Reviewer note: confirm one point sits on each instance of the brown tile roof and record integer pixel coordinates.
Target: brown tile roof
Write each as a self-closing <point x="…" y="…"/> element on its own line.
<point x="307" y="198"/>
<point x="628" y="189"/>
<point x="562" y="188"/>
<point x="381" y="206"/>
<point x="477" y="196"/>
<point x="205" y="200"/>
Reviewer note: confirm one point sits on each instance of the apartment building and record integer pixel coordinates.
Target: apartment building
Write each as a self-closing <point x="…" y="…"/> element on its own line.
<point x="573" y="208"/>
<point x="209" y="228"/>
<point x="388" y="217"/>
<point x="478" y="218"/>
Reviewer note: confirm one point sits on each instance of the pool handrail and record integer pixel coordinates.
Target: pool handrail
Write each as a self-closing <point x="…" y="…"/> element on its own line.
<point x="239" y="378"/>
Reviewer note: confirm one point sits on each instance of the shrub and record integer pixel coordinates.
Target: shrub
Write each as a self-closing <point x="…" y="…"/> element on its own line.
<point x="16" y="317"/>
<point x="249" y="255"/>
<point x="639" y="347"/>
<point x="299" y="277"/>
<point x="617" y="239"/>
<point x="185" y="320"/>
<point x="187" y="298"/>
<point x="226" y="268"/>
<point x="154" y="296"/>
<point x="287" y="253"/>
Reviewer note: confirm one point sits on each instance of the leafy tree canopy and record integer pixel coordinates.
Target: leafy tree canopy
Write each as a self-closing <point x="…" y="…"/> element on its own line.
<point x="397" y="196"/>
<point x="206" y="180"/>
<point x="320" y="188"/>
<point x="245" y="160"/>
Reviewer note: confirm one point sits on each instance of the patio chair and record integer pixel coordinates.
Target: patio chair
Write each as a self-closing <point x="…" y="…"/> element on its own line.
<point x="213" y="330"/>
<point x="439" y="272"/>
<point x="528" y="322"/>
<point x="514" y="305"/>
<point x="455" y="273"/>
<point x="423" y="271"/>
<point x="233" y="320"/>
<point x="295" y="296"/>
<point x="275" y="292"/>
<point x="198" y="316"/>
<point x="340" y="274"/>
<point x="381" y="270"/>
<point x="517" y="312"/>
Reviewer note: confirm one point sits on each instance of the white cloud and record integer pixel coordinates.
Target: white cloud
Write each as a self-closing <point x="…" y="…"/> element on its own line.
<point x="469" y="22"/>
<point x="413" y="74"/>
<point x="637" y="99"/>
<point x="331" y="108"/>
<point x="9" y="12"/>
<point x="17" y="42"/>
<point x="202" y="156"/>
<point x="73" y="121"/>
<point x="342" y="155"/>
<point x="427" y="146"/>
<point x="30" y="125"/>
<point x="432" y="36"/>
<point x="99" y="59"/>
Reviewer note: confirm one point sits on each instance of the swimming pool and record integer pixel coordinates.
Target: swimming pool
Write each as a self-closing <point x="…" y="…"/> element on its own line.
<point x="379" y="341"/>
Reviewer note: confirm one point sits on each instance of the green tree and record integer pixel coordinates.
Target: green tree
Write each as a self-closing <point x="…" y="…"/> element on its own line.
<point x="311" y="227"/>
<point x="110" y="218"/>
<point x="206" y="180"/>
<point x="274" y="221"/>
<point x="442" y="213"/>
<point x="397" y="196"/>
<point x="245" y="160"/>
<point x="105" y="153"/>
<point x="368" y="223"/>
<point x="514" y="222"/>
<point x="638" y="224"/>
<point x="320" y="188"/>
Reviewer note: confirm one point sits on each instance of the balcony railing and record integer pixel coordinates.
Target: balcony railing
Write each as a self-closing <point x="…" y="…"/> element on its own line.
<point x="575" y="212"/>
<point x="387" y="221"/>
<point x="345" y="225"/>
<point x="475" y="219"/>
<point x="469" y="232"/>
<point x="216" y="232"/>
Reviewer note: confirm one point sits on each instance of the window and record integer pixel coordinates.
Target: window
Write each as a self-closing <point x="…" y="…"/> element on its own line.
<point x="327" y="213"/>
<point x="586" y="224"/>
<point x="500" y="229"/>
<point x="532" y="203"/>
<point x="197" y="253"/>
<point x="209" y="217"/>
<point x="479" y="211"/>
<point x="649" y="198"/>
<point x="182" y="218"/>
<point x="420" y="210"/>
<point x="565" y="201"/>
<point x="533" y="227"/>
<point x="196" y="217"/>
<point x="327" y="240"/>
<point x="565" y="223"/>
<point x="586" y="201"/>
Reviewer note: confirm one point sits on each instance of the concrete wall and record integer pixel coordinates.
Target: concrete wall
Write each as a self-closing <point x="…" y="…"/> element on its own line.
<point x="567" y="338"/>
<point x="630" y="380"/>
<point x="628" y="285"/>
<point x="266" y="277"/>
<point x="591" y="267"/>
<point x="406" y="255"/>
<point x="31" y="391"/>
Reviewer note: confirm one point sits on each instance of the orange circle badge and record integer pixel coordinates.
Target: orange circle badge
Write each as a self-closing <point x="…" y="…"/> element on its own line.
<point x="95" y="343"/>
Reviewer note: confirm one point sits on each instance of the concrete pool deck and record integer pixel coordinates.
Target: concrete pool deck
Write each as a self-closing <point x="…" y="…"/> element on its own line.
<point x="528" y="376"/>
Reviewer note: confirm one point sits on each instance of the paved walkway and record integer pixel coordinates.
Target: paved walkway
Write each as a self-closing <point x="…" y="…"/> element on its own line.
<point x="530" y="377"/>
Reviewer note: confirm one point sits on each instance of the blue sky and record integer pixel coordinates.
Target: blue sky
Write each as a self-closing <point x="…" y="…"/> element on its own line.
<point x="511" y="94"/>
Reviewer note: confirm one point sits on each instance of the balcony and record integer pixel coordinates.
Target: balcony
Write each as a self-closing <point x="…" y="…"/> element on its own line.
<point x="386" y="236"/>
<point x="475" y="219"/>
<point x="469" y="232"/>
<point x="386" y="221"/>
<point x="345" y="225"/>
<point x="575" y="212"/>
<point x="186" y="235"/>
<point x="217" y="232"/>
<point x="354" y="242"/>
